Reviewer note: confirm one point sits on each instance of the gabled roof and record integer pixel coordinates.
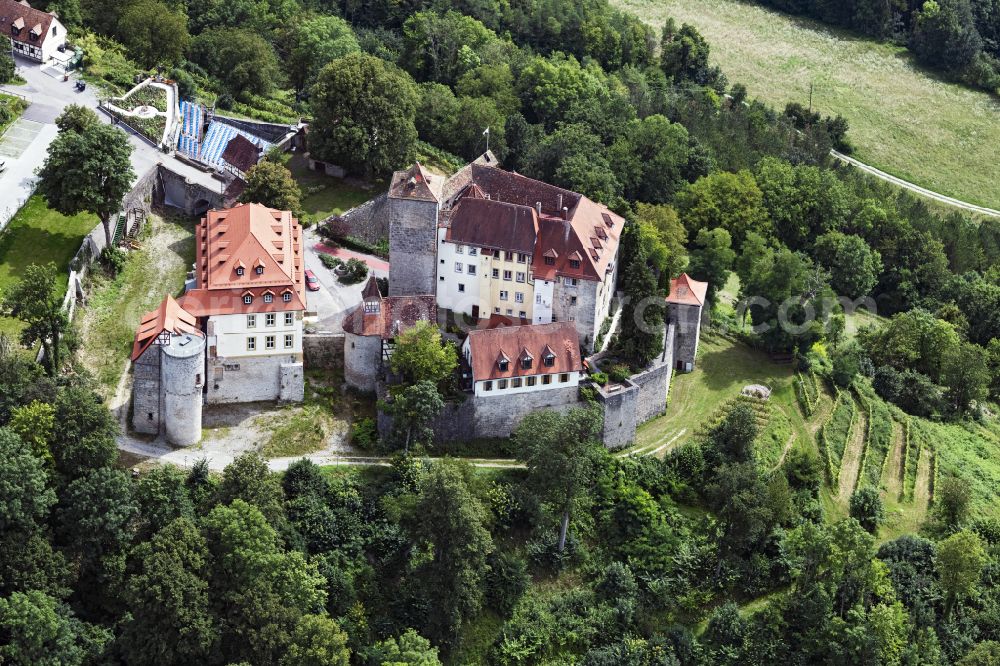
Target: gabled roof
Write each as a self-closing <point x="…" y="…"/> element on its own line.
<point x="494" y="224"/>
<point x="560" y="339"/>
<point x="371" y="290"/>
<point x="241" y="153"/>
<point x="21" y="14"/>
<point x="687" y="291"/>
<point x="415" y="183"/>
<point x="246" y="237"/>
<point x="169" y="316"/>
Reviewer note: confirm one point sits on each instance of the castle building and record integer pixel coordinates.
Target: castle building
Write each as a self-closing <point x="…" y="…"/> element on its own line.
<point x="513" y="360"/>
<point x="685" y="305"/>
<point x="491" y="242"/>
<point x="371" y="328"/>
<point x="244" y="306"/>
<point x="33" y="33"/>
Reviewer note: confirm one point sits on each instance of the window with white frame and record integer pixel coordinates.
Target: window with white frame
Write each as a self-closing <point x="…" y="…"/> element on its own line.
<point x="270" y="319"/>
<point x="268" y="298"/>
<point x="251" y="321"/>
<point x="487" y="386"/>
<point x="509" y="256"/>
<point x="496" y="273"/>
<point x="459" y="266"/>
<point x="287" y="297"/>
<point x="460" y="249"/>
<point x="522" y="258"/>
<point x="251" y="343"/>
<point x="268" y="342"/>
<point x="520" y="277"/>
<point x="515" y="383"/>
<point x="239" y="270"/>
<point x="522" y="314"/>
<point x="248" y="299"/>
<point x="259" y="270"/>
<point x="289" y="341"/>
<point x="289" y="318"/>
<point x="501" y="384"/>
<point x="473" y="251"/>
<point x="570" y="282"/>
<point x="510" y="312"/>
<point x="504" y="295"/>
<point x="471" y="269"/>
<point x="507" y="275"/>
<point x="518" y="297"/>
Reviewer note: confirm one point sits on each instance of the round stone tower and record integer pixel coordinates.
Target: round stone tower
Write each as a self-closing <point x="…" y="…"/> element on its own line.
<point x="183" y="376"/>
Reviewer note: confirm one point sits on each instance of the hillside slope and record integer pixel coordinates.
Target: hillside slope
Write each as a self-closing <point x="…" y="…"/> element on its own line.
<point x="903" y="120"/>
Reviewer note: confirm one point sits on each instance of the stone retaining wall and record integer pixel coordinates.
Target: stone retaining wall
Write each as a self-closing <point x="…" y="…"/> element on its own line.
<point x="323" y="350"/>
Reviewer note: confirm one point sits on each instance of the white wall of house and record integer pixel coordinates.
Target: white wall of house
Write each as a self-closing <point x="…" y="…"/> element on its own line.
<point x="41" y="50"/>
<point x="501" y="387"/>
<point x="459" y="272"/>
<point x="229" y="334"/>
<point x="543" y="301"/>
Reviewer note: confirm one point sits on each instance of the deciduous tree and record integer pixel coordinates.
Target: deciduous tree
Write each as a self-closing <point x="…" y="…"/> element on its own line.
<point x="960" y="561"/>
<point x="421" y="355"/>
<point x="272" y="185"/>
<point x="36" y="300"/>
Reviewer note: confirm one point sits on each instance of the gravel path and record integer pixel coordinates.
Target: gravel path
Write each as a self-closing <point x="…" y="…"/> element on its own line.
<point x="922" y="489"/>
<point x="892" y="477"/>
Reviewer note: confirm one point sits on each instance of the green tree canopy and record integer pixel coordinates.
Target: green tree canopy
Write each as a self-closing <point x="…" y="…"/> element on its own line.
<point x="731" y="201"/>
<point x="155" y="32"/>
<point x="408" y="649"/>
<point x="854" y="267"/>
<point x="413" y="408"/>
<point x="960" y="561"/>
<point x="314" y="43"/>
<point x="87" y="169"/>
<point x="363" y="110"/>
<point x="25" y="494"/>
<point x="272" y="185"/>
<point x="712" y="259"/>
<point x="36" y="300"/>
<point x="421" y="355"/>
<point x="243" y="60"/>
<point x="317" y="641"/>
<point x="562" y="452"/>
<point x="651" y="159"/>
<point x="441" y="46"/>
<point x="40" y="631"/>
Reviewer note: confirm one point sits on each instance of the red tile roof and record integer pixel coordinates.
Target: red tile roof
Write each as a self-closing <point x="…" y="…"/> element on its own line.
<point x="686" y="291"/>
<point x="498" y="320"/>
<point x="243" y="239"/>
<point x="169" y="316"/>
<point x="494" y="225"/>
<point x="586" y="231"/>
<point x="387" y="317"/>
<point x="415" y="183"/>
<point x="241" y="153"/>
<point x="28" y="19"/>
<point x="514" y="343"/>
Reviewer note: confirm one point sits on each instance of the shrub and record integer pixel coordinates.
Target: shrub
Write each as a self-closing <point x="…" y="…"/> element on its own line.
<point x="329" y="261"/>
<point x="619" y="372"/>
<point x="357" y="271"/>
<point x="7" y="68"/>
<point x="364" y="434"/>
<point x="599" y="378"/>
<point x="867" y="508"/>
<point x="113" y="260"/>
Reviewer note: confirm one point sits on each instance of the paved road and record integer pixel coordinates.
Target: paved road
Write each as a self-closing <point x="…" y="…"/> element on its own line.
<point x="334" y="299"/>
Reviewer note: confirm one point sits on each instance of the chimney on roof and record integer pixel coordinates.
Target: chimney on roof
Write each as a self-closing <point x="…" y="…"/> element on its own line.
<point x="565" y="211"/>
<point x="538" y="207"/>
<point x="559" y="205"/>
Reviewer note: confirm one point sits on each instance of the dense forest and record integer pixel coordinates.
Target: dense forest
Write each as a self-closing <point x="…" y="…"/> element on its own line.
<point x="704" y="557"/>
<point x="960" y="38"/>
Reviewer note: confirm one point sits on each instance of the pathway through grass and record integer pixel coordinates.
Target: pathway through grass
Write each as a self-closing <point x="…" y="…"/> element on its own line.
<point x="853" y="454"/>
<point x="903" y="120"/>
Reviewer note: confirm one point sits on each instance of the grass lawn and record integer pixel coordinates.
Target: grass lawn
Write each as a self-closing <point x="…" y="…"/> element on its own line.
<point x="114" y="307"/>
<point x="723" y="368"/>
<point x="322" y="195"/>
<point x="903" y="120"/>
<point x="16" y="104"/>
<point x="39" y="235"/>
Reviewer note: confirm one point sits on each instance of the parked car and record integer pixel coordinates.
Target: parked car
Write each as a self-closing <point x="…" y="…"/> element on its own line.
<point x="312" y="282"/>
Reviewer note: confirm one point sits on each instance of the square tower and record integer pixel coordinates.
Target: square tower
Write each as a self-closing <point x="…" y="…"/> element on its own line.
<point x="684" y="310"/>
<point x="414" y="200"/>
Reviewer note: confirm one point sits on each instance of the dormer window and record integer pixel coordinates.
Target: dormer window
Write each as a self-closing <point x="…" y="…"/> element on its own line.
<point x="287" y="297"/>
<point x="259" y="270"/>
<point x="526" y="363"/>
<point x="372" y="307"/>
<point x="549" y="360"/>
<point x="574" y="263"/>
<point x="240" y="270"/>
<point x="247" y="299"/>
<point x="503" y="364"/>
<point x="550" y="261"/>
<point x="268" y="298"/>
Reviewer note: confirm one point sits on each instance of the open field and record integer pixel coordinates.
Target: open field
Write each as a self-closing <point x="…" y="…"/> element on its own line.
<point x="903" y="120"/>
<point x="38" y="235"/>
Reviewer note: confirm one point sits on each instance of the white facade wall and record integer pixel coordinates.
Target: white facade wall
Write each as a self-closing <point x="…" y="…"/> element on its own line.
<point x="572" y="381"/>
<point x="543" y="301"/>
<point x="459" y="291"/>
<point x="229" y="334"/>
<point x="44" y="51"/>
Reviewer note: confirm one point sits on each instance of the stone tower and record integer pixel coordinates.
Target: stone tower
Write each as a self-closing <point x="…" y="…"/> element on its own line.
<point x="414" y="200"/>
<point x="168" y="358"/>
<point x="685" y="305"/>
